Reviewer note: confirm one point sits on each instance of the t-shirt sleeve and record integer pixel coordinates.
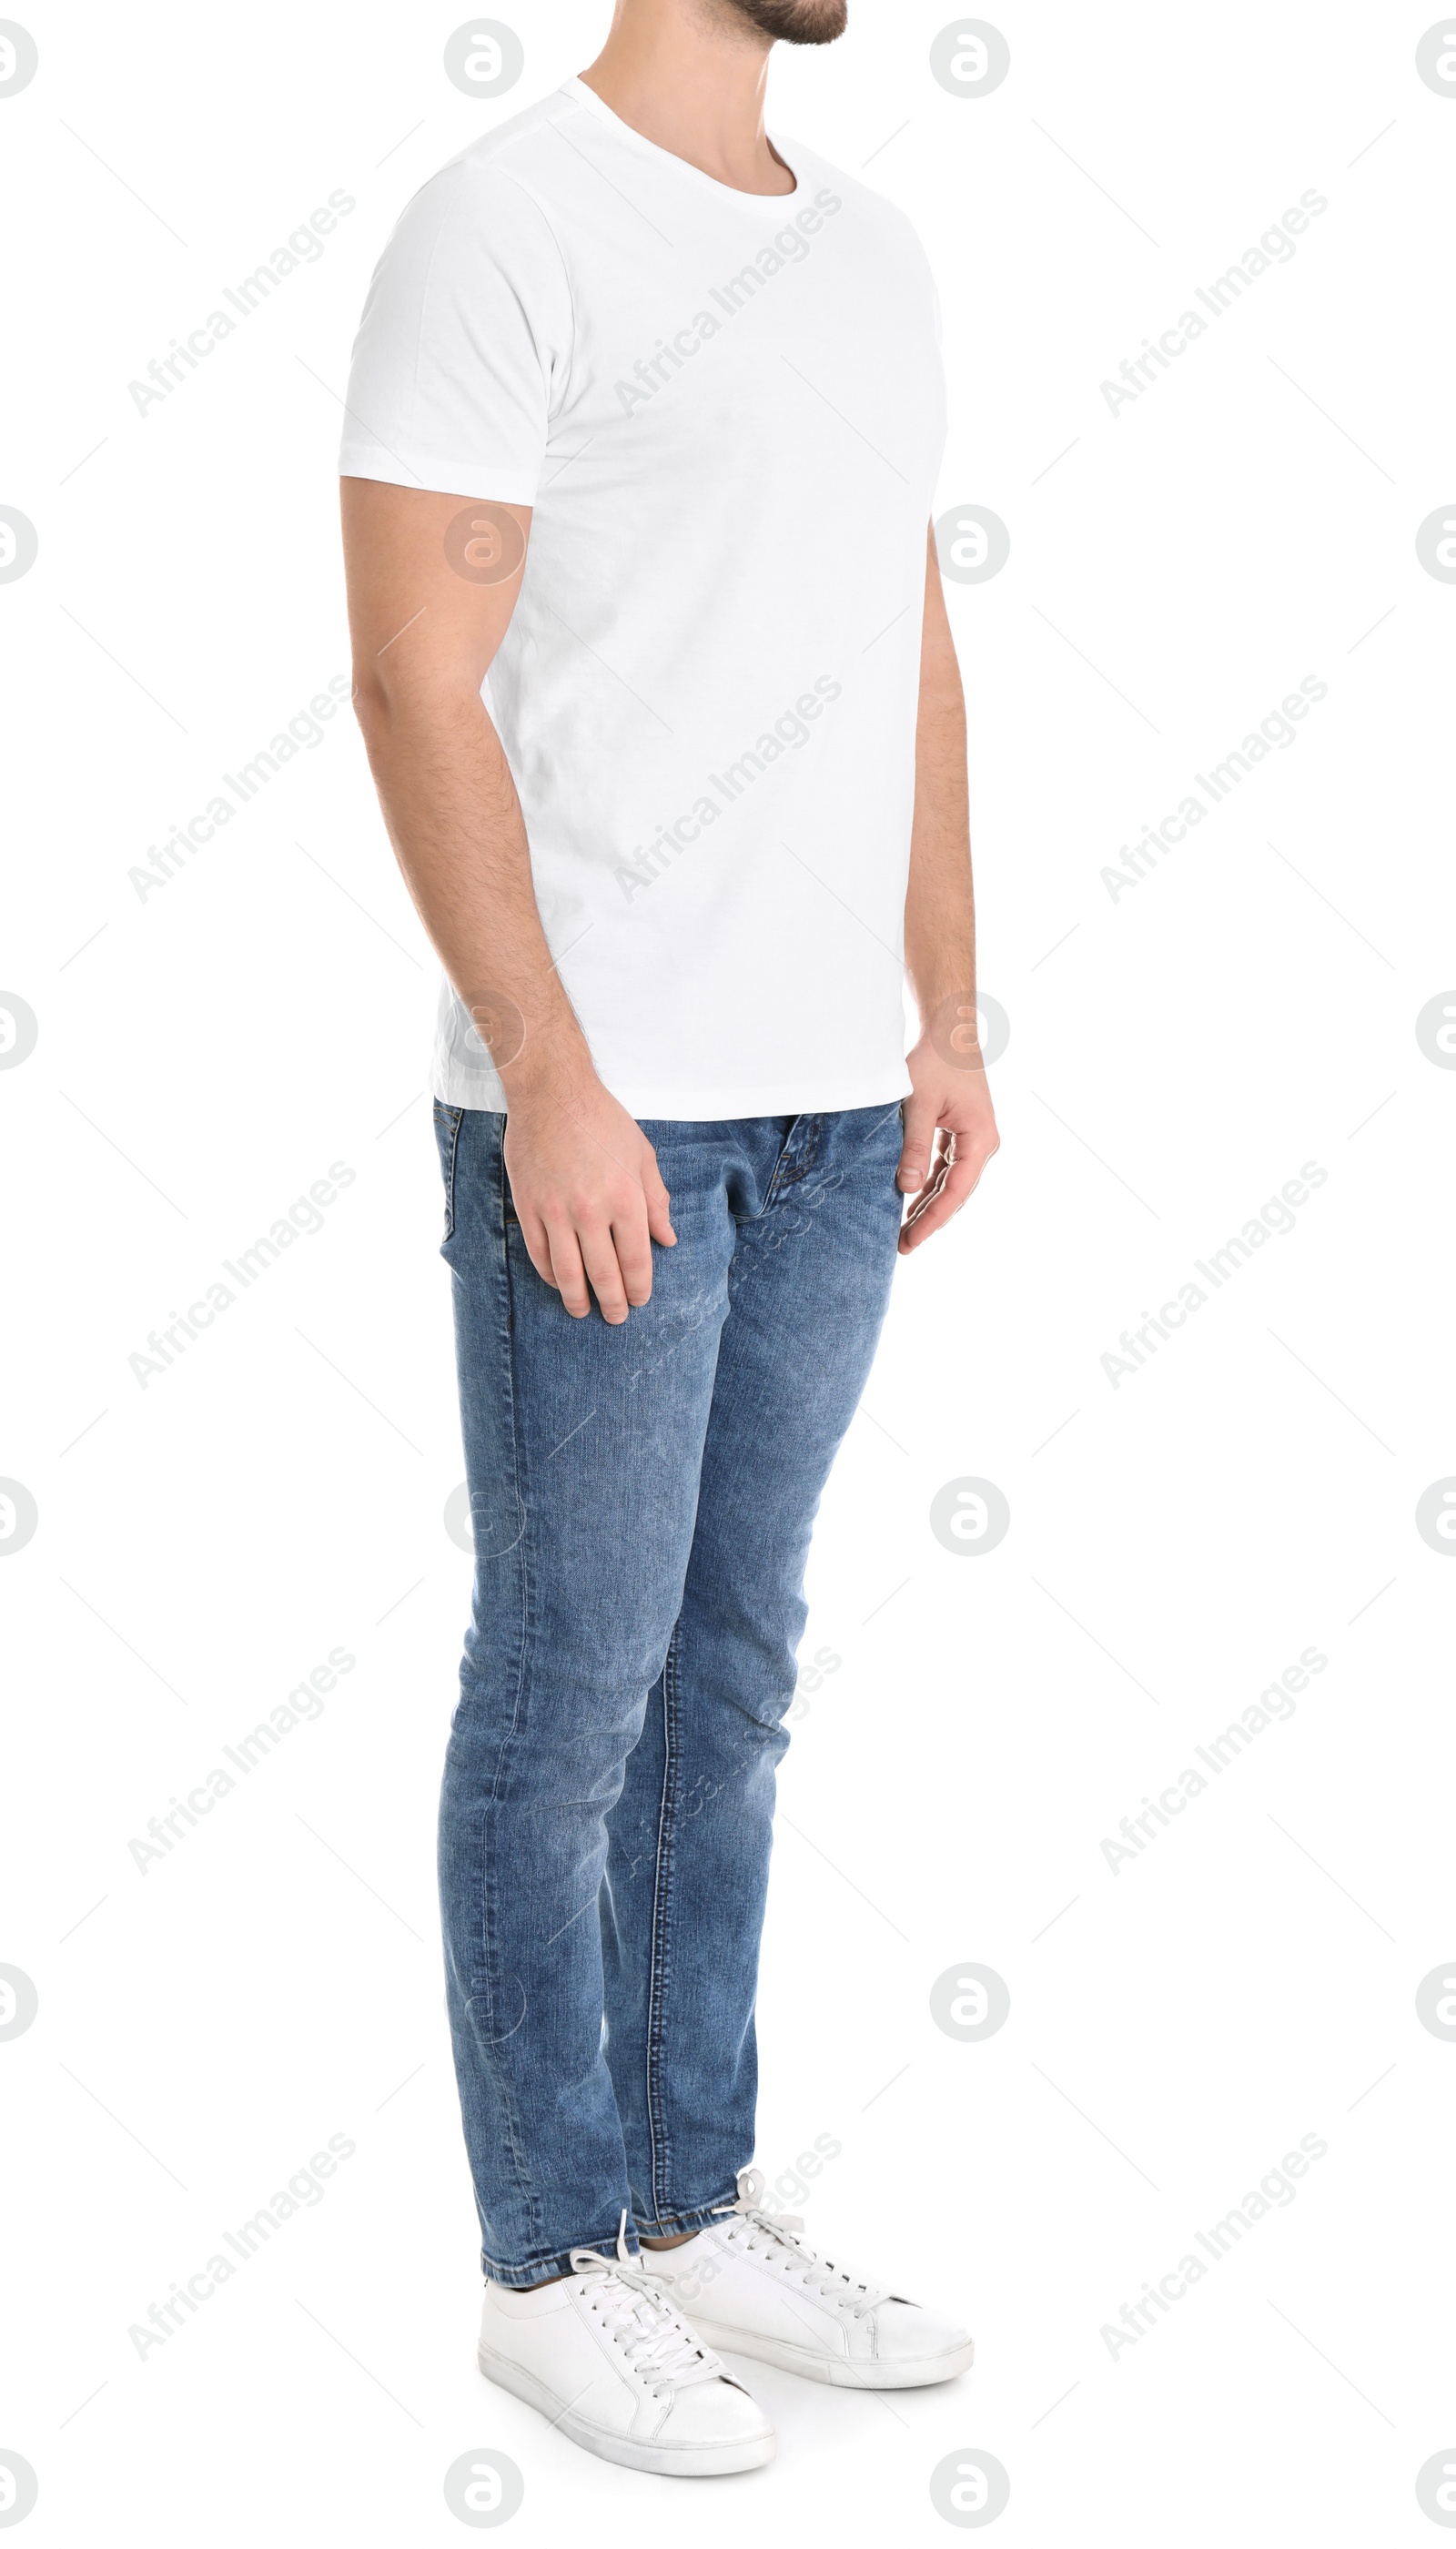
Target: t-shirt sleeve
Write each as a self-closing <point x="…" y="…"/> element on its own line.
<point x="461" y="354"/>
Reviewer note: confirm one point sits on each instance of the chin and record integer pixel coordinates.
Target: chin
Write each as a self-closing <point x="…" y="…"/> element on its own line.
<point x="795" y="22"/>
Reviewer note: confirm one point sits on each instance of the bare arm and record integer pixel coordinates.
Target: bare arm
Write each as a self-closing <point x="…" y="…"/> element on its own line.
<point x="432" y="585"/>
<point x="949" y="1125"/>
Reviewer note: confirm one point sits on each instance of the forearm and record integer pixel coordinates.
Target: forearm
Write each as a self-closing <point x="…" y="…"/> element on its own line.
<point x="939" y="908"/>
<point x="949" y="1124"/>
<point x="454" y="821"/>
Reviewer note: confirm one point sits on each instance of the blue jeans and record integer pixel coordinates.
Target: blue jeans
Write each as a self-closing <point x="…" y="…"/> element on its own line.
<point x="643" y="1498"/>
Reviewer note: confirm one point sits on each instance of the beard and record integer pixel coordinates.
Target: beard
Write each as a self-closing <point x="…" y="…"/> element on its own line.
<point x="792" y="21"/>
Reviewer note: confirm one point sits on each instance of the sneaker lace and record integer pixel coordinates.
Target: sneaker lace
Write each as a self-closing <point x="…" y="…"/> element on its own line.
<point x="659" y="2345"/>
<point x="754" y="2229"/>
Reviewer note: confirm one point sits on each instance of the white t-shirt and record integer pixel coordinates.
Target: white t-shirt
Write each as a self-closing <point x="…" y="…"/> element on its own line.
<point x="727" y="412"/>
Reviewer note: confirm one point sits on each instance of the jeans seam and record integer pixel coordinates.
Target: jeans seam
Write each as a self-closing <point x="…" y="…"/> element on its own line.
<point x="775" y="1184"/>
<point x="782" y="1180"/>
<point x="457" y="1117"/>
<point x="657" y="2139"/>
<point x="489" y="1907"/>
<point x="557" y="2258"/>
<point x="691" y="2216"/>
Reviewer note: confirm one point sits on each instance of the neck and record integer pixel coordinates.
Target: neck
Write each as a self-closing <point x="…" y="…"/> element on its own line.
<point x="694" y="84"/>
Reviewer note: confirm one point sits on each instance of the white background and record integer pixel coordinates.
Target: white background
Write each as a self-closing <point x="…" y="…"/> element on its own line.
<point x="1175" y="1055"/>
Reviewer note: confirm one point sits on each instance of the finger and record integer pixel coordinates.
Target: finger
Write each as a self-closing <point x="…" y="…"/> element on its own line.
<point x="953" y="1189"/>
<point x="604" y="1272"/>
<point x="634" y="1254"/>
<point x="962" y="1154"/>
<point x="538" y="1245"/>
<point x="918" y="1147"/>
<point x="978" y="1158"/>
<point x="943" y="1151"/>
<point x="660" y="1208"/>
<point x="567" y="1271"/>
<point x="925" y="1202"/>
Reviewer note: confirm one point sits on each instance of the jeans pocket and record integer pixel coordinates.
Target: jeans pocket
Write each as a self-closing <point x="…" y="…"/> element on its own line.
<point x="447" y="1123"/>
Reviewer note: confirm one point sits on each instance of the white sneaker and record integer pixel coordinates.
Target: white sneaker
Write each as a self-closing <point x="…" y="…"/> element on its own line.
<point x="755" y="2289"/>
<point x="605" y="2354"/>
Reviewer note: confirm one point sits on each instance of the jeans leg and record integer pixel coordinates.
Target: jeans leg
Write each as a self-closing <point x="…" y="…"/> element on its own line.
<point x="583" y="1444"/>
<point x="691" y="1833"/>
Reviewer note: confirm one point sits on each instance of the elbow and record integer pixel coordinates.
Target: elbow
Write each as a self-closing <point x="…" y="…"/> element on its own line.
<point x="387" y="703"/>
<point x="369" y="699"/>
<point x="383" y="709"/>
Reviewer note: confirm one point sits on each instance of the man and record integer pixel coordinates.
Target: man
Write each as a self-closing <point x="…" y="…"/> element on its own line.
<point x="644" y="425"/>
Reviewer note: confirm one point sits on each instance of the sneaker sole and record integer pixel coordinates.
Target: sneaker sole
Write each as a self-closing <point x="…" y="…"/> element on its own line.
<point x="833" y="2369"/>
<point x="689" y="2460"/>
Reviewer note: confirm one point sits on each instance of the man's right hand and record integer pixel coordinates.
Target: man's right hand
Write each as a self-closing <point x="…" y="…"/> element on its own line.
<point x="587" y="1192"/>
